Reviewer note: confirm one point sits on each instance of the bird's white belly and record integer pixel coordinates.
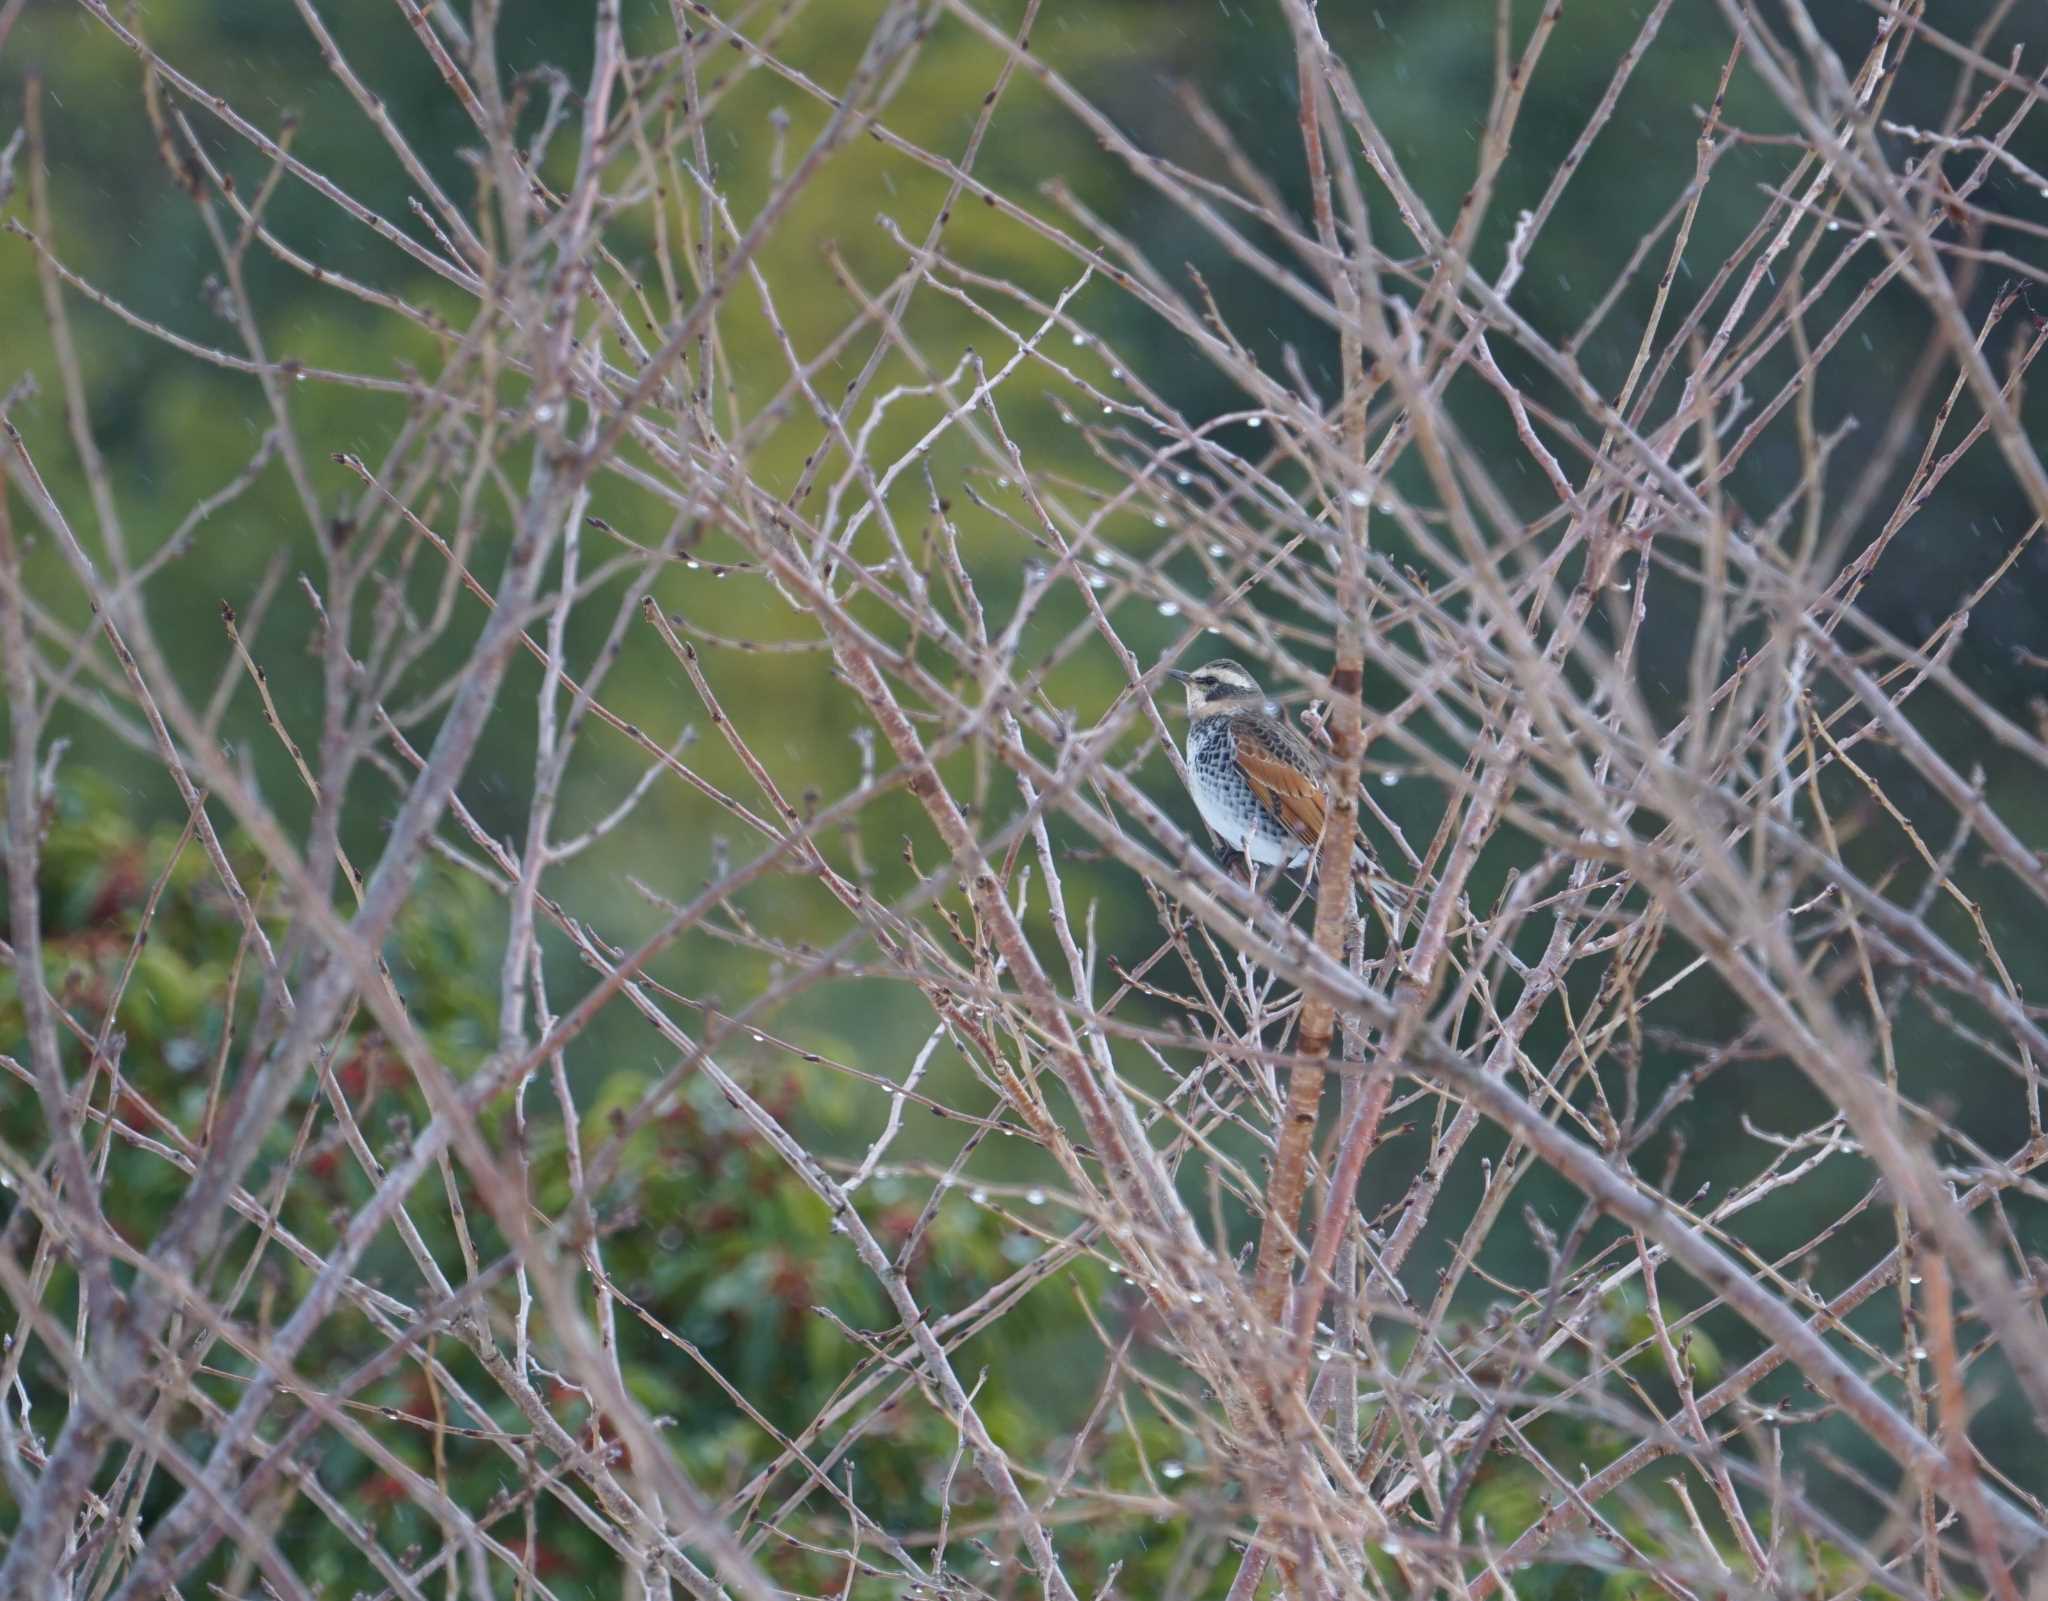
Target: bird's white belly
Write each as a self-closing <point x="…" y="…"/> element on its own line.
<point x="1239" y="829"/>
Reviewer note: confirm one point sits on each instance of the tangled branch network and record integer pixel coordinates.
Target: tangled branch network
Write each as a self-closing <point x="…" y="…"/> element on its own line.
<point x="716" y="1054"/>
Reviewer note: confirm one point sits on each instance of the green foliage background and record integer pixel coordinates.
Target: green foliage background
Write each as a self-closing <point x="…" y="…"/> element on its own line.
<point x="726" y="1248"/>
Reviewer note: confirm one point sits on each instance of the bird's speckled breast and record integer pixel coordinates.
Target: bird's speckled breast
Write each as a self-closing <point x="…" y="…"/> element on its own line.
<point x="1225" y="799"/>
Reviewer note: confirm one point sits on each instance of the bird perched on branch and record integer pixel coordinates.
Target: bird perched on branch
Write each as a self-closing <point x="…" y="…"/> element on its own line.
<point x="1259" y="784"/>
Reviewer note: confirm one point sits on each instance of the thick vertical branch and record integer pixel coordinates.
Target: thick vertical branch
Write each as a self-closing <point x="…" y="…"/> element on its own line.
<point x="61" y="1117"/>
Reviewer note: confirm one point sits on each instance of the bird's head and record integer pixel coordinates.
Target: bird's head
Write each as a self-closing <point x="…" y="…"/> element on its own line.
<point x="1218" y="686"/>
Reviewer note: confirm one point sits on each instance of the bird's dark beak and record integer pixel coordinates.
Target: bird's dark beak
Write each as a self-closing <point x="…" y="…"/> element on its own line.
<point x="1178" y="676"/>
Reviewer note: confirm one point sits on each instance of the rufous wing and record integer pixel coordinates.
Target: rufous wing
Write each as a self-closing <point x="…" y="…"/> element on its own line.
<point x="1291" y="795"/>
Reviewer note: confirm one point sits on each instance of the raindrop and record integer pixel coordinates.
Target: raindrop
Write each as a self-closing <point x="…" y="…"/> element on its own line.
<point x="1097" y="581"/>
<point x="1169" y="608"/>
<point x="1158" y="521"/>
<point x="978" y="1197"/>
<point x="1035" y="1197"/>
<point x="1173" y="1470"/>
<point x="760" y="1039"/>
<point x="1216" y="549"/>
<point x="1919" y="1353"/>
<point x="1197" y="1298"/>
<point x="1323" y="1355"/>
<point x="1002" y="483"/>
<point x="1389" y="780"/>
<point x="1183" y="478"/>
<point x="1834" y="226"/>
<point x="1912" y="1278"/>
<point x="1358" y="498"/>
<point x="1255" y="422"/>
<point x="540" y="413"/>
<point x="1080" y="339"/>
<point x="1107" y="408"/>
